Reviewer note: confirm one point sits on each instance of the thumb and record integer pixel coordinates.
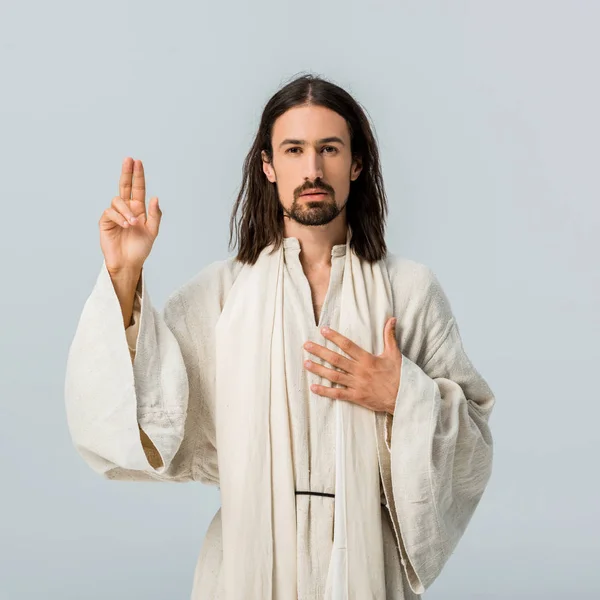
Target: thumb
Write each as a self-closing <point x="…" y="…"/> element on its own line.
<point x="154" y="216"/>
<point x="389" y="335"/>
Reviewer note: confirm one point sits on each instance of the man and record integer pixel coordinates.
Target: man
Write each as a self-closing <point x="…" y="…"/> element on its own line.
<point x="351" y="459"/>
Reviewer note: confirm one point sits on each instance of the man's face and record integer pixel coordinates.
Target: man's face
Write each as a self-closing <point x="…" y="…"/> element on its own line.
<point x="311" y="150"/>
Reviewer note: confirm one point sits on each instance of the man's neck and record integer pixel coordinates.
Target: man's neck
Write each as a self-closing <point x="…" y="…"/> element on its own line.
<point x="316" y="243"/>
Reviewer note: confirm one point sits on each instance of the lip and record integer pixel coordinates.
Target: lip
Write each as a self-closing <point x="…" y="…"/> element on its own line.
<point x="314" y="193"/>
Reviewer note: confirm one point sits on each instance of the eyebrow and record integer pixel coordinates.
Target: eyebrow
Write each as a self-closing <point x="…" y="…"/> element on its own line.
<point x="321" y="141"/>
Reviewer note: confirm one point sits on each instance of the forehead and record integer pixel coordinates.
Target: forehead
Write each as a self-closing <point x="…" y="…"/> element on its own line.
<point x="309" y="123"/>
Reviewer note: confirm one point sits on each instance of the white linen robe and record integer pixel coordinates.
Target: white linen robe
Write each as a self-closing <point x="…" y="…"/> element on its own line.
<point x="435" y="452"/>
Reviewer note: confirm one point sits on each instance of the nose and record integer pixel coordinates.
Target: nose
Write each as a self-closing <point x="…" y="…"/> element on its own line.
<point x="313" y="165"/>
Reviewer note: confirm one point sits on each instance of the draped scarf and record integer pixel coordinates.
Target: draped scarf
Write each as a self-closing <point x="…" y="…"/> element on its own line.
<point x="254" y="445"/>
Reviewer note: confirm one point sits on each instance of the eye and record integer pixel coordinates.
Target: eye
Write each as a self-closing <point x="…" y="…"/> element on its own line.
<point x="331" y="150"/>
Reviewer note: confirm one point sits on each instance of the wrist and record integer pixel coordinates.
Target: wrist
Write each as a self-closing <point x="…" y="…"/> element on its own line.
<point x="124" y="274"/>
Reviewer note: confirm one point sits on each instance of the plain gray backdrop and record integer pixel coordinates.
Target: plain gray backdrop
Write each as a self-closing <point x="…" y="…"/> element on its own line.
<point x="487" y="115"/>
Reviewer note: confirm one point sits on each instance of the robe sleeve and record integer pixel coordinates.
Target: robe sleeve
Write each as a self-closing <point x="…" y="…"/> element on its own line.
<point x="440" y="443"/>
<point x="127" y="391"/>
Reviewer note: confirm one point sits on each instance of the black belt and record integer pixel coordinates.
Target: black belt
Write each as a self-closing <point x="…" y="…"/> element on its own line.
<point x="325" y="495"/>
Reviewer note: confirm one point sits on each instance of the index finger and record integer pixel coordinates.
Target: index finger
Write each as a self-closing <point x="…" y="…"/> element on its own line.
<point x="125" y="180"/>
<point x="347" y="345"/>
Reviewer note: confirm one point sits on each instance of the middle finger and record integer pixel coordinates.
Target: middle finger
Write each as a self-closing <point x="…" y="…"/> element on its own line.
<point x="333" y="358"/>
<point x="330" y="374"/>
<point x="139" y="182"/>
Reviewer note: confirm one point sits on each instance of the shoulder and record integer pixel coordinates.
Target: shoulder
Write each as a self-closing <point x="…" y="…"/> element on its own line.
<point x="205" y="293"/>
<point x="416" y="280"/>
<point x="402" y="270"/>
<point x="420" y="303"/>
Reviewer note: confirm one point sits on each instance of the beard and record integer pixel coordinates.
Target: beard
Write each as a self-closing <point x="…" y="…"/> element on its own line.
<point x="313" y="213"/>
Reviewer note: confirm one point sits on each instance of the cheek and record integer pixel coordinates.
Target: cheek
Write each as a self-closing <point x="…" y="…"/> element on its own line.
<point x="340" y="183"/>
<point x="288" y="175"/>
<point x="338" y="174"/>
<point x="289" y="178"/>
<point x="286" y="184"/>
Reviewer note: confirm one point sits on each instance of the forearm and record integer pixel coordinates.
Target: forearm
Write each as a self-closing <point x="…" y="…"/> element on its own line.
<point x="125" y="284"/>
<point x="122" y="418"/>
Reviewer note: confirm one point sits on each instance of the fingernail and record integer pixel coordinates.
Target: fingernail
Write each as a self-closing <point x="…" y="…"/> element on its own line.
<point x="325" y="330"/>
<point x="132" y="220"/>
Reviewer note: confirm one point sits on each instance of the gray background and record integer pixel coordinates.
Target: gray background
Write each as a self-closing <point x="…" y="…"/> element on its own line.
<point x="487" y="114"/>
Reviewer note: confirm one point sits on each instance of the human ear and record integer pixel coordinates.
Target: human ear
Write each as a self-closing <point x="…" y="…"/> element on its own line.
<point x="268" y="167"/>
<point x="356" y="168"/>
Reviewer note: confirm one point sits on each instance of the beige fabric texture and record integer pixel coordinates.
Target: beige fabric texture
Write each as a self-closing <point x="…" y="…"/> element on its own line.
<point x="256" y="472"/>
<point x="158" y="376"/>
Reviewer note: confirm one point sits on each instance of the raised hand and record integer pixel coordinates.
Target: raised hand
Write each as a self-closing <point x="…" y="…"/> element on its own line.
<point x="127" y="231"/>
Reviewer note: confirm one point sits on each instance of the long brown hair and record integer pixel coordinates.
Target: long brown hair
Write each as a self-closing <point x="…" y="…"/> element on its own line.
<point x="261" y="220"/>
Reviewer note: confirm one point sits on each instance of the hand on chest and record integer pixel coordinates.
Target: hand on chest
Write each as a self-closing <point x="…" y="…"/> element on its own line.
<point x="361" y="377"/>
